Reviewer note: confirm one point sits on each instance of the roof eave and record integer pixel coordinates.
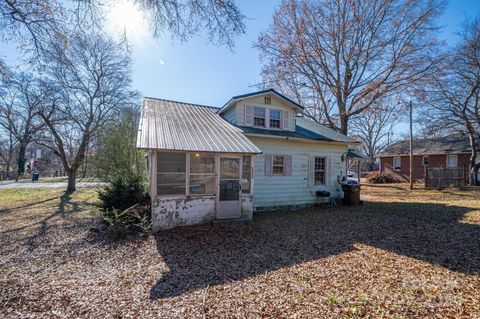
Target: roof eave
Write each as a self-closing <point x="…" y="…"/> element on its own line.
<point x="238" y="98"/>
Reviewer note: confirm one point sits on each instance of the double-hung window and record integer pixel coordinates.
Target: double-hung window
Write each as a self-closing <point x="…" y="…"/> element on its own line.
<point x="397" y="163"/>
<point x="202" y="174"/>
<point x="171" y="173"/>
<point x="452" y="161"/>
<point x="278" y="165"/>
<point x="259" y="116"/>
<point x="319" y="171"/>
<point x="275" y="118"/>
<point x="425" y="160"/>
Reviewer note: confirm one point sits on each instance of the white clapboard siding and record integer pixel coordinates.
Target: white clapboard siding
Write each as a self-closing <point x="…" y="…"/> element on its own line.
<point x="295" y="189"/>
<point x="230" y="115"/>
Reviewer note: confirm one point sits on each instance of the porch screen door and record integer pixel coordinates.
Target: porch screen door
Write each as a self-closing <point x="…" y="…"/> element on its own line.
<point x="229" y="188"/>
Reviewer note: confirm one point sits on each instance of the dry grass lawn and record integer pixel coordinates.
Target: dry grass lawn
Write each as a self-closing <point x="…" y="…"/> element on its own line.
<point x="401" y="255"/>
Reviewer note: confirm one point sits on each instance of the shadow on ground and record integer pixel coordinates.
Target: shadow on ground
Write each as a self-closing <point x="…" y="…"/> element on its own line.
<point x="202" y="256"/>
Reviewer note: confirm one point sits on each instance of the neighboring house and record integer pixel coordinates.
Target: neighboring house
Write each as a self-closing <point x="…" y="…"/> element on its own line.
<point x="255" y="153"/>
<point x="446" y="152"/>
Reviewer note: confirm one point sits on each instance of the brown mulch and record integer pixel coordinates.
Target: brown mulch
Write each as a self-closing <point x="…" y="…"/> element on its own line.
<point x="401" y="255"/>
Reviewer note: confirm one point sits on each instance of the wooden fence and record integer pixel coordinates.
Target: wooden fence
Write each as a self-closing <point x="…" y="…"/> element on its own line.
<point x="440" y="177"/>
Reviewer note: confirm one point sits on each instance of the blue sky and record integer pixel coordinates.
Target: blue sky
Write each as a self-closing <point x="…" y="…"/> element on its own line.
<point x="199" y="72"/>
<point x="202" y="73"/>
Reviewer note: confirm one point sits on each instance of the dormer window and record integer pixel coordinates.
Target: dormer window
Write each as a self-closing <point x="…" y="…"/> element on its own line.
<point x="275" y="117"/>
<point x="267" y="100"/>
<point x="259" y="117"/>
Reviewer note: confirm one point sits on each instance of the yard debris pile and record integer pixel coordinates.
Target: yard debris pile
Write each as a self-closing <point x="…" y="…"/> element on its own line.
<point x="400" y="255"/>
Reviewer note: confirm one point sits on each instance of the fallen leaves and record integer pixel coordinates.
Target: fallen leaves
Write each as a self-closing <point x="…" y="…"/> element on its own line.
<point x="401" y="255"/>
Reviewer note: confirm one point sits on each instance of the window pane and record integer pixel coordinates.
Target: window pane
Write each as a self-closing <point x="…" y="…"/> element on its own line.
<point x="319" y="163"/>
<point x="278" y="160"/>
<point x="171" y="175"/>
<point x="259" y="112"/>
<point x="396" y="163"/>
<point x="259" y="116"/>
<point x="246" y="174"/>
<point x="202" y="163"/>
<point x="171" y="162"/>
<point x="170" y="178"/>
<point x="202" y="184"/>
<point x="229" y="168"/>
<point x="275" y="114"/>
<point x="275" y="123"/>
<point x="259" y="122"/>
<point x="452" y="160"/>
<point x="319" y="177"/>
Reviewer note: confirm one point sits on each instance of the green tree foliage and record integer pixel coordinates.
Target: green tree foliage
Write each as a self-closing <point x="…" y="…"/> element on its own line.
<point x="117" y="154"/>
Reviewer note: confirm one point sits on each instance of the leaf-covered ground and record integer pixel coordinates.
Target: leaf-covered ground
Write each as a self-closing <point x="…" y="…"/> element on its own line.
<point x="401" y="255"/>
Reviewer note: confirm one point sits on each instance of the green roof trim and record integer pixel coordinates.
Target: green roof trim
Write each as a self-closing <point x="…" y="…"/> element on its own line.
<point x="353" y="154"/>
<point x="267" y="91"/>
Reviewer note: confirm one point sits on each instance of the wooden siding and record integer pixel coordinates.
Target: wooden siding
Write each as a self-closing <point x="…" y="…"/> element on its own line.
<point x="230" y="115"/>
<point x="294" y="190"/>
<point x="259" y="101"/>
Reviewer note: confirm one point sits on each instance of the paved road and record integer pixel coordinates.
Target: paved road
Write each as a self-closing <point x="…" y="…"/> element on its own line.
<point x="13" y="184"/>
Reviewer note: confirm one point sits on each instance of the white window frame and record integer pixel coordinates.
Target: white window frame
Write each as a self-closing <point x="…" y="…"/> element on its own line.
<point x="155" y="177"/>
<point x="189" y="173"/>
<point x="282" y="166"/>
<point x="154" y="172"/>
<point x="423" y="160"/>
<point x="315" y="170"/>
<point x="456" y="160"/>
<point x="393" y="163"/>
<point x="279" y="119"/>
<point x="264" y="116"/>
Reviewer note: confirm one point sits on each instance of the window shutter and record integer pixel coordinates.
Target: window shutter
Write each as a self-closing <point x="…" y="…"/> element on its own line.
<point x="267" y="118"/>
<point x="285" y="119"/>
<point x="311" y="170"/>
<point x="248" y="115"/>
<point x="288" y="165"/>
<point x="328" y="175"/>
<point x="268" y="165"/>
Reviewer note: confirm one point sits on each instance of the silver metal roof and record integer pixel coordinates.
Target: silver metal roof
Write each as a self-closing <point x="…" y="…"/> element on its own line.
<point x="177" y="126"/>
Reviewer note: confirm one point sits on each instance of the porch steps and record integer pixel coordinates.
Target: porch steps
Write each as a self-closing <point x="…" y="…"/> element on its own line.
<point x="231" y="221"/>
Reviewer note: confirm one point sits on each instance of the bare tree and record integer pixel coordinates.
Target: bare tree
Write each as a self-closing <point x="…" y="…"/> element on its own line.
<point x="374" y="126"/>
<point x="454" y="97"/>
<point x="33" y="23"/>
<point x="22" y="98"/>
<point x="92" y="74"/>
<point x="341" y="56"/>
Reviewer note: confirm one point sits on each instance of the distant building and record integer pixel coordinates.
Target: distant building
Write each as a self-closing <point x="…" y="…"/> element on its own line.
<point x="445" y="152"/>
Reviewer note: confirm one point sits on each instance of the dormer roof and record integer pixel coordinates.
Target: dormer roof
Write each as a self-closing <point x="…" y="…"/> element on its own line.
<point x="280" y="96"/>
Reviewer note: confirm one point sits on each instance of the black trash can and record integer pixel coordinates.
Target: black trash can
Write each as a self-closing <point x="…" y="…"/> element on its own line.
<point x="351" y="194"/>
<point x="35" y="177"/>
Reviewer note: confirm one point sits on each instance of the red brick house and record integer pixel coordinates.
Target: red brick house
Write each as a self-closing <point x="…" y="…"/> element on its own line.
<point x="447" y="152"/>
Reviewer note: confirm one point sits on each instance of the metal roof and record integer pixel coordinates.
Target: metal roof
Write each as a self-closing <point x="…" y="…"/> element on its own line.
<point x="177" y="126"/>
<point x="453" y="144"/>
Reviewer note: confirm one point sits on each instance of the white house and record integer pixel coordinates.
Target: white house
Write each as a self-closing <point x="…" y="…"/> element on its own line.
<point x="255" y="153"/>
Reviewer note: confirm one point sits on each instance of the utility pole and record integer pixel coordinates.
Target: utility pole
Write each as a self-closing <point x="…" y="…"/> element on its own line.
<point x="411" y="145"/>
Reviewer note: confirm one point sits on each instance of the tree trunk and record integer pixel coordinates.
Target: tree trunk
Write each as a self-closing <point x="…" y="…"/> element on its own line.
<point x="72" y="176"/>
<point x="473" y="158"/>
<point x="343" y="124"/>
<point x="21" y="159"/>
